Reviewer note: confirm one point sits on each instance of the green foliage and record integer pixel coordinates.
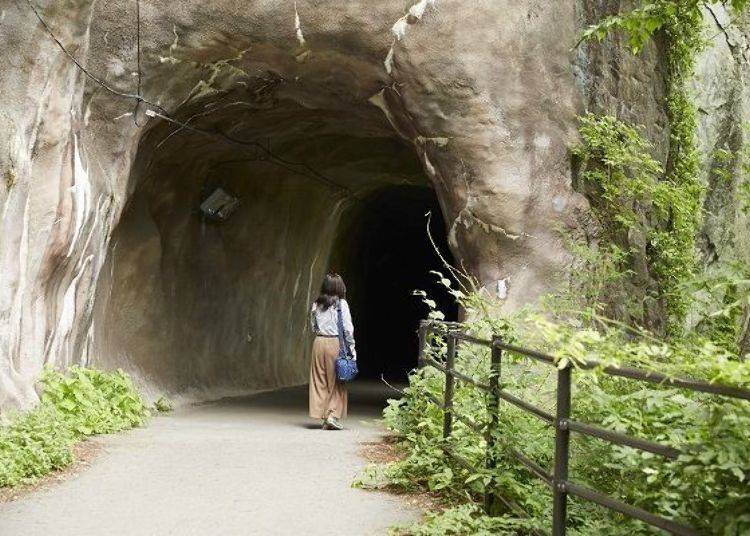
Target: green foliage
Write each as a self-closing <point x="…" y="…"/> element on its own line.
<point x="672" y="241"/>
<point x="632" y="197"/>
<point x="91" y="401"/>
<point x="706" y="487"/>
<point x="163" y="405"/>
<point x="683" y="31"/>
<point x="744" y="194"/>
<point x="635" y="197"/>
<point x="743" y="184"/>
<point x="640" y="25"/>
<point x="721" y="300"/>
<point x="83" y="403"/>
<point x="462" y="520"/>
<point x="34" y="444"/>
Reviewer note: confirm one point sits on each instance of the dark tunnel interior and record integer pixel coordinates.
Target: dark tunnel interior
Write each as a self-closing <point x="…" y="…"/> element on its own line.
<point x="386" y="254"/>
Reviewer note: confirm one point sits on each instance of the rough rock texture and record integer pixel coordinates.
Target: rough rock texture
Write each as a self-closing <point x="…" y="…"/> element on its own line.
<point x="723" y="98"/>
<point x="102" y="253"/>
<point x="615" y="82"/>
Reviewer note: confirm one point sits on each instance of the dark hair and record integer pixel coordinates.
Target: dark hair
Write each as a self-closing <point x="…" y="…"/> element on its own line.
<point x="332" y="289"/>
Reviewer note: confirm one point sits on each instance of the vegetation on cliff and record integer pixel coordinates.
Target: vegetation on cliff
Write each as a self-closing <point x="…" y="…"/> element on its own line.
<point x="673" y="224"/>
<point x="649" y="213"/>
<point x="706" y="486"/>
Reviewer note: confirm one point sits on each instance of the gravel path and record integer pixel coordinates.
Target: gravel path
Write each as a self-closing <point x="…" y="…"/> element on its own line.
<point x="254" y="465"/>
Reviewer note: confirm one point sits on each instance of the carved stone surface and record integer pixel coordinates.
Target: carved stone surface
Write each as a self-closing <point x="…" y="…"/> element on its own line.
<point x="104" y="257"/>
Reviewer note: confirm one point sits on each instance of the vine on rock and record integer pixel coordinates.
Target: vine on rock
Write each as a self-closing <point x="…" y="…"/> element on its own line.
<point x="672" y="252"/>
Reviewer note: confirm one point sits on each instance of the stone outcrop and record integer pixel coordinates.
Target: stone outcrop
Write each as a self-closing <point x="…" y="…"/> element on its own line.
<point x="104" y="255"/>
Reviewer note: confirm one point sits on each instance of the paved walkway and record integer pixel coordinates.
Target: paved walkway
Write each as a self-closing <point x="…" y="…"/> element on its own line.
<point x="246" y="466"/>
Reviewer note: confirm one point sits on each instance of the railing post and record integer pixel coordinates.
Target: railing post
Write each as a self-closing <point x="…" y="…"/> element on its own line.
<point x="423" y="325"/>
<point x="450" y="363"/>
<point x="562" y="445"/>
<point x="493" y="409"/>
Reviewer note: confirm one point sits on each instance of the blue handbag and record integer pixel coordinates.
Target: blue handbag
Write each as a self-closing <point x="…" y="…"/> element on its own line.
<point x="346" y="367"/>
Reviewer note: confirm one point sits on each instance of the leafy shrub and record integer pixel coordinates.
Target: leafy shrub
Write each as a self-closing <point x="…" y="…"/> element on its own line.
<point x="34" y="444"/>
<point x="82" y="403"/>
<point x="163" y="405"/>
<point x="706" y="487"/>
<point x="462" y="520"/>
<point x="91" y="401"/>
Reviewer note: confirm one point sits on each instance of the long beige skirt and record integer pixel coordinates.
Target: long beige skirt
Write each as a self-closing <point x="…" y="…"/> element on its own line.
<point x="327" y="395"/>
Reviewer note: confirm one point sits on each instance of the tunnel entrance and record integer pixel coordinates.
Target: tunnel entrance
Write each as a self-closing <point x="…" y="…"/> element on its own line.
<point x="214" y="306"/>
<point x="384" y="253"/>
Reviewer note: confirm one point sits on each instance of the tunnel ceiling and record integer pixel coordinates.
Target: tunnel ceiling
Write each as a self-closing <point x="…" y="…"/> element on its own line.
<point x="354" y="148"/>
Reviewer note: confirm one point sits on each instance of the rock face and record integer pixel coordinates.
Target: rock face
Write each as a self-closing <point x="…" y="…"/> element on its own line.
<point x="632" y="88"/>
<point x="301" y="110"/>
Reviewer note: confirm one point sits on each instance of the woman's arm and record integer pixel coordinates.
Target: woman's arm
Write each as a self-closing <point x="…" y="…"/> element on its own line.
<point x="348" y="327"/>
<point x="313" y="320"/>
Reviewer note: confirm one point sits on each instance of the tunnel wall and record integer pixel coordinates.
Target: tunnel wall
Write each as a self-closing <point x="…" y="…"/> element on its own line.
<point x="189" y="304"/>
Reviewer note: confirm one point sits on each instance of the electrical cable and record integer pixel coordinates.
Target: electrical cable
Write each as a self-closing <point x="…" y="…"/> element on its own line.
<point x="83" y="69"/>
<point x="138" y="41"/>
<point x="138" y="60"/>
<point x="272" y="157"/>
<point x="289" y="165"/>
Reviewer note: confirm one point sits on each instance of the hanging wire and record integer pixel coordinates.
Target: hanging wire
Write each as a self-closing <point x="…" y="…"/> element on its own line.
<point x="157" y="110"/>
<point x="83" y="69"/>
<point x="258" y="147"/>
<point x="138" y="42"/>
<point x="138" y="62"/>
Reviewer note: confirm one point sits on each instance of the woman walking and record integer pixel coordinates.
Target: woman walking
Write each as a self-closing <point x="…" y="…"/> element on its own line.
<point x="328" y="397"/>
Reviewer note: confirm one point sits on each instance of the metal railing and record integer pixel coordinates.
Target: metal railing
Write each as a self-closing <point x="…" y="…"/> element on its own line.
<point x="558" y="480"/>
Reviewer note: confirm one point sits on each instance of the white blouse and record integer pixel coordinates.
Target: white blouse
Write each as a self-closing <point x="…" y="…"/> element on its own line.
<point x="325" y="322"/>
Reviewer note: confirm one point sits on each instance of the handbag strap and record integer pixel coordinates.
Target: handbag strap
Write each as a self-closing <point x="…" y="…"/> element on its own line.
<point x="340" y="321"/>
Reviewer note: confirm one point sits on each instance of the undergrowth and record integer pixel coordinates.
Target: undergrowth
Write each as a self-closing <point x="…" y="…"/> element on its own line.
<point x="705" y="487"/>
<point x="81" y="403"/>
<point x="650" y="213"/>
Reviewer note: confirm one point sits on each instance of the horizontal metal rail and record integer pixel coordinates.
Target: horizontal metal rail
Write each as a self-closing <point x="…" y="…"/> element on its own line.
<point x="435" y="364"/>
<point x="468" y="379"/>
<point x="435" y="400"/>
<point x="510" y="504"/>
<point x="545" y="416"/>
<point x="505" y="395"/>
<point x="626" y="372"/>
<point x="563" y="424"/>
<point x="476" y="340"/>
<point x="622" y="371"/>
<point x="463" y="462"/>
<point x="537" y="470"/>
<point x="530" y="464"/>
<point x="628" y="510"/>
<point x="478" y="428"/>
<point x="459" y="375"/>
<point x="621" y="439"/>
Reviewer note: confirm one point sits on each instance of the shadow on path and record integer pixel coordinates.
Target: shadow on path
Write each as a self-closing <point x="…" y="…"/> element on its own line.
<point x="250" y="465"/>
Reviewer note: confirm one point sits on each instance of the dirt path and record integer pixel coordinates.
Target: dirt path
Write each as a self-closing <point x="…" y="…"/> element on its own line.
<point x="242" y="466"/>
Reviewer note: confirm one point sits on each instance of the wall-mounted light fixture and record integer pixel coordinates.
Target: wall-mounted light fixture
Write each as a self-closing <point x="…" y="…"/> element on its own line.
<point x="219" y="205"/>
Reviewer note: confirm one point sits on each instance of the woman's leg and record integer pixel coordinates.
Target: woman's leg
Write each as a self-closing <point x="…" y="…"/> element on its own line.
<point x="339" y="398"/>
<point x="319" y="387"/>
